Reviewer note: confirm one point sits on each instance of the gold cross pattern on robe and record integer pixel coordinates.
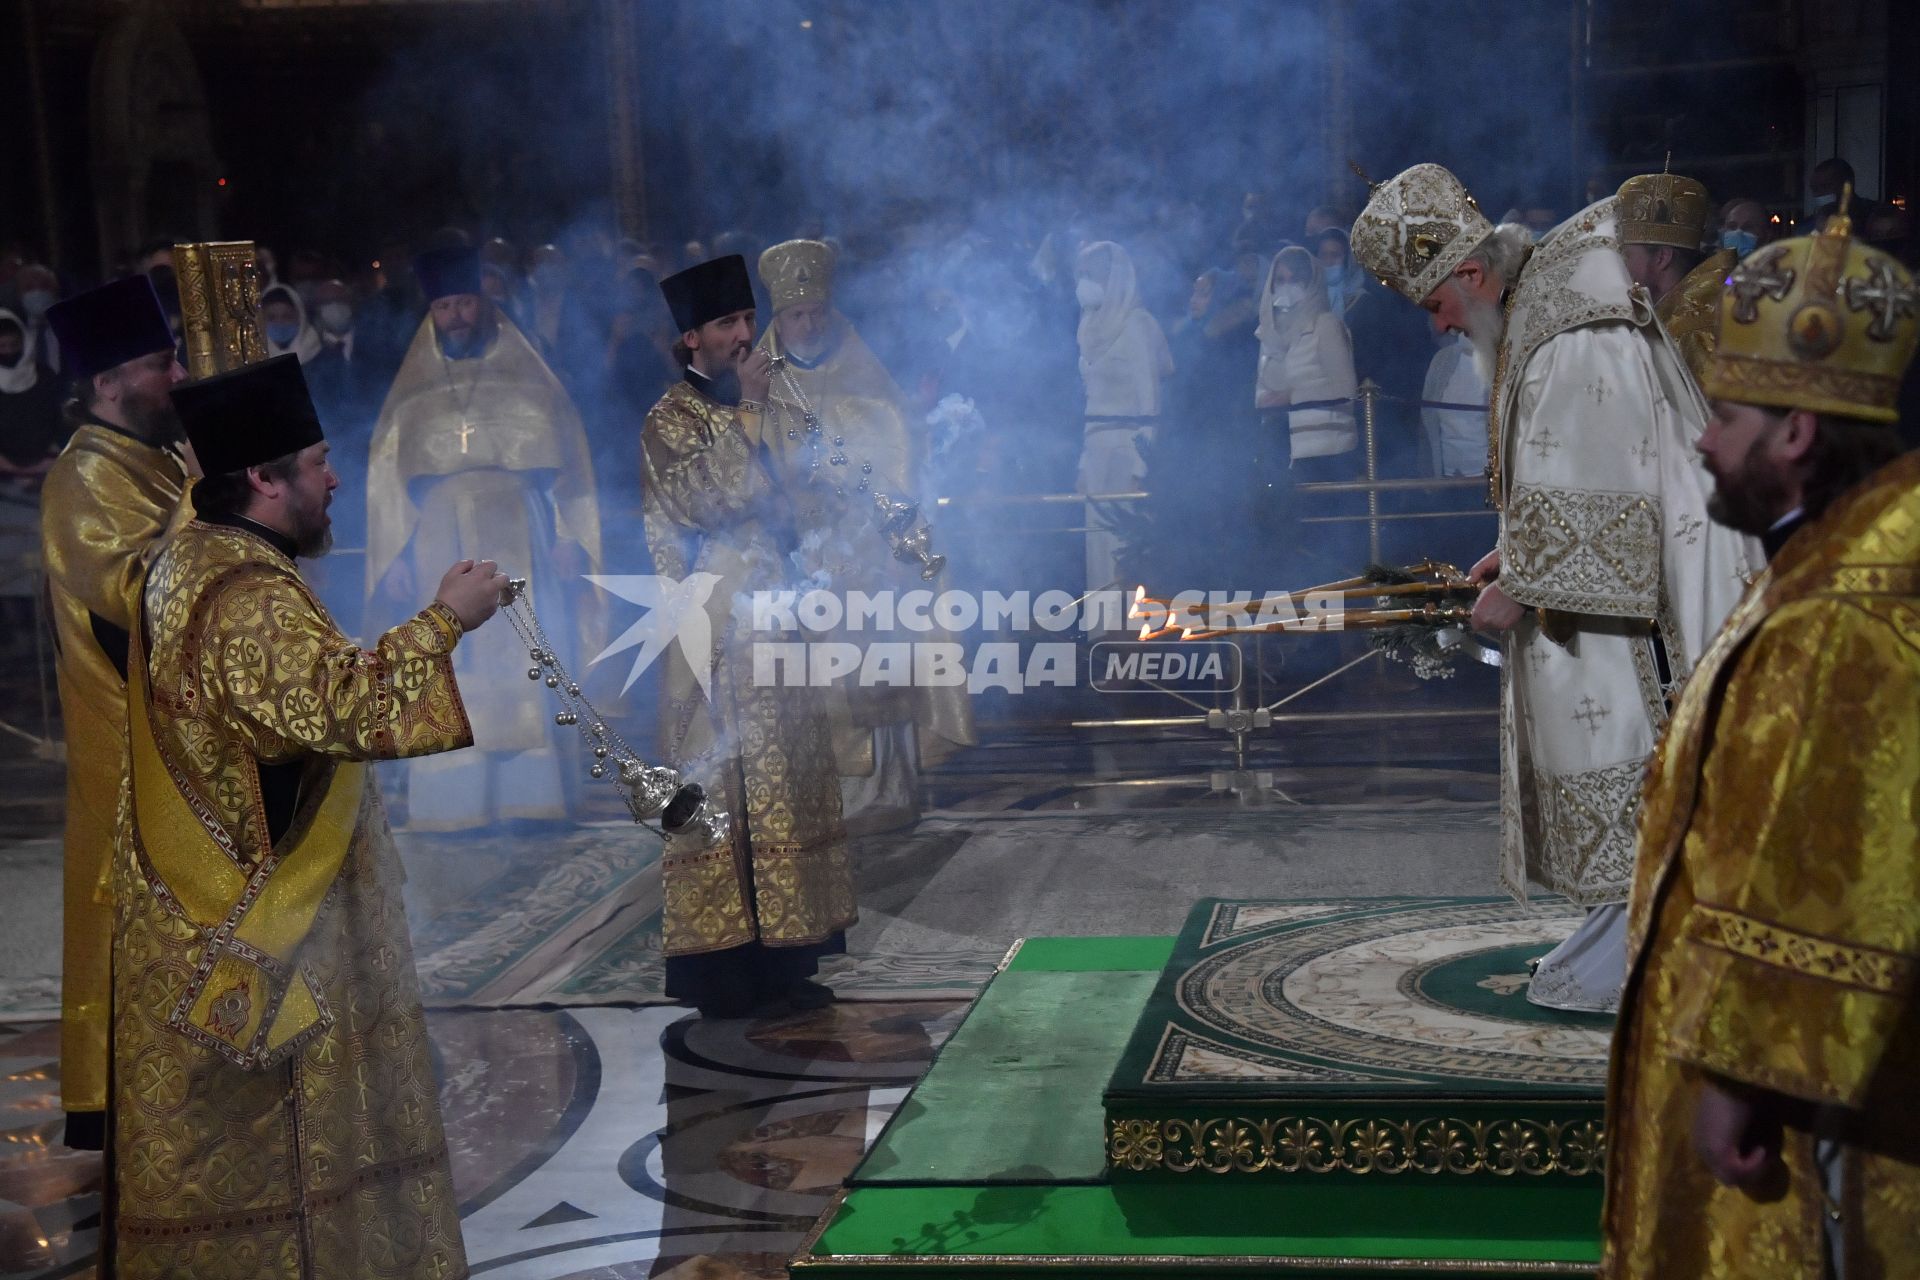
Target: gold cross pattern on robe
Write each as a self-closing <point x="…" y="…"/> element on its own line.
<point x="466" y="430"/>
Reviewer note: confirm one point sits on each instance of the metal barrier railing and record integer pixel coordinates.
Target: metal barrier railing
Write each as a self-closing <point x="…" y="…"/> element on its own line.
<point x="1368" y="399"/>
<point x="1247" y="715"/>
<point x="47" y="744"/>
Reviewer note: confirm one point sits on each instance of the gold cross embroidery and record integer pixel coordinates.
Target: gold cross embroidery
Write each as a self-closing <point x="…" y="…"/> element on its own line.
<point x="466" y="430"/>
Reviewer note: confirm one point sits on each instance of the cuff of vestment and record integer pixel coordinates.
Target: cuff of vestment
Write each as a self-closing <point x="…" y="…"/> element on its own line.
<point x="445" y="622"/>
<point x="1582" y="551"/>
<point x="1794" y="1012"/>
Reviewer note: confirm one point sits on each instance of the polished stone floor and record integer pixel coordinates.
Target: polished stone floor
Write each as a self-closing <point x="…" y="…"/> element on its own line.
<point x="593" y="1142"/>
<point x="628" y="1138"/>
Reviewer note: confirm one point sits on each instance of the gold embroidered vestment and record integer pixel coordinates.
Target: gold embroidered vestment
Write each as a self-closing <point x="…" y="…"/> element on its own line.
<point x="106" y="503"/>
<point x="1774" y="931"/>
<point x="1691" y="312"/>
<point x="276" y="1115"/>
<point x="711" y="506"/>
<point x="861" y="409"/>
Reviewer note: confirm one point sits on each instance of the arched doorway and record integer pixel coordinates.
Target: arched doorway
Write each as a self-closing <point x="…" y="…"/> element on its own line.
<point x="154" y="168"/>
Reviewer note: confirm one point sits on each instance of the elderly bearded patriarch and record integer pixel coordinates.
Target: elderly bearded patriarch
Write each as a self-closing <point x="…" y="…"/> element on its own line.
<point x="1608" y="577"/>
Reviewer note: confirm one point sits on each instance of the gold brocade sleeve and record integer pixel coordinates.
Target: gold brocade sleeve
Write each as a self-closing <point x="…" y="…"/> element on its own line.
<point x="705" y="471"/>
<point x="296" y="685"/>
<point x="1805" y="937"/>
<point x="105" y="534"/>
<point x="700" y="475"/>
<point x="1691" y="312"/>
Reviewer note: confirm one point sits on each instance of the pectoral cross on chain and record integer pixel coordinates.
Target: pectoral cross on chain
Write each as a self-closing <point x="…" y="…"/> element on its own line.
<point x="1883" y="296"/>
<point x="1762" y="276"/>
<point x="466" y="430"/>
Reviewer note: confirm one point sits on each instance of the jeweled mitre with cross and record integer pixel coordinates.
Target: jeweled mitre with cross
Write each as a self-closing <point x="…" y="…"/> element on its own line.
<point x="1820" y="322"/>
<point x="1416" y="228"/>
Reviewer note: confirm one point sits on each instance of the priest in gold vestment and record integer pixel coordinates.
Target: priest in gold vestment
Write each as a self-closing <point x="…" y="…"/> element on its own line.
<point x="837" y="427"/>
<point x="479" y="453"/>
<point x="275" y="1113"/>
<point x="1663" y="218"/>
<point x="1761" y="1120"/>
<point x="745" y="921"/>
<point x="107" y="501"/>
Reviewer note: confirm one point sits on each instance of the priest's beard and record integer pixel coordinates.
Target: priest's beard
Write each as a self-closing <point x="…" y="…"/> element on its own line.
<point x="158" y="422"/>
<point x="1485" y="327"/>
<point x="1749" y="497"/>
<point x="312" y="531"/>
<point x="465" y="344"/>
<point x="813" y="352"/>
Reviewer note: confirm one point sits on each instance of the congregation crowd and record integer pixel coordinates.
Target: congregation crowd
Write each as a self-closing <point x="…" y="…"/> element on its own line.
<point x="1042" y="359"/>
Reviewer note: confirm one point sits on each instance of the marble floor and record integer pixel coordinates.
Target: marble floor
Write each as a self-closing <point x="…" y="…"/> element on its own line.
<point x="592" y="1144"/>
<point x="631" y="1139"/>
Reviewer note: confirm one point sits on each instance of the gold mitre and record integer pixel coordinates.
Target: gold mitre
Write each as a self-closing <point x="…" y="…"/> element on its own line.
<point x="1820" y="322"/>
<point x="1663" y="208"/>
<point x="798" y="271"/>
<point x="1416" y="228"/>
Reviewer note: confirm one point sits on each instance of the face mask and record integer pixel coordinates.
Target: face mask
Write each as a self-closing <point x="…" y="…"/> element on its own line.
<point x="550" y="279"/>
<point x="1287" y="296"/>
<point x="1091" y="293"/>
<point x="282" y="335"/>
<point x="1741" y="242"/>
<point x="1336" y="276"/>
<point x="1825" y="202"/>
<point x="336" y="317"/>
<point x="36" y="302"/>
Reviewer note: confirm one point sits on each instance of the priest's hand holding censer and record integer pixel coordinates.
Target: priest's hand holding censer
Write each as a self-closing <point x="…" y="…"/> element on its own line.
<point x="650" y="790"/>
<point x="896" y="518"/>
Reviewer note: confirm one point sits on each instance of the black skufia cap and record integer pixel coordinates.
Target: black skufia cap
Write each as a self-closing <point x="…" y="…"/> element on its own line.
<point x="444" y="272"/>
<point x="248" y="416"/>
<point x="104" y="328"/>
<point x="706" y="292"/>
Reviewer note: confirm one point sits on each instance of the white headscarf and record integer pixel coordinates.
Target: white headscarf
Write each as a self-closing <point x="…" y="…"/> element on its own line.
<point x="1278" y="331"/>
<point x="22" y="376"/>
<point x="1102" y="326"/>
<point x="306" y="343"/>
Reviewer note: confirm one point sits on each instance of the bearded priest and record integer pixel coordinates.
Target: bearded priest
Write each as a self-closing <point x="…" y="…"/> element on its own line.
<point x="109" y="499"/>
<point x="275" y="1115"/>
<point x="1663" y="217"/>
<point x="479" y="452"/>
<point x="744" y="922"/>
<point x="1760" y="1117"/>
<point x="1608" y="580"/>
<point x="838" y="425"/>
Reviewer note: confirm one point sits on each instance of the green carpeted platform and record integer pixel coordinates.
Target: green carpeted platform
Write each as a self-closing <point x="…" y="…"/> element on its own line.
<point x="994" y="1167"/>
<point x="1051" y="1030"/>
<point x="1359" y="1035"/>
